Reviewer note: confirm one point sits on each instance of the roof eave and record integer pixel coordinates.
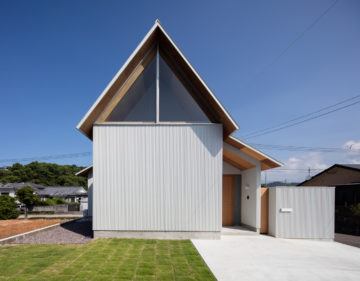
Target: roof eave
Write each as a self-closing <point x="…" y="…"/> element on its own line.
<point x="84" y="171"/>
<point x="276" y="163"/>
<point x="86" y="116"/>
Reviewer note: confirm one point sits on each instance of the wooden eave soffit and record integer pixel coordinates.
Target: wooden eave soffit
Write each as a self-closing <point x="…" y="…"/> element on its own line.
<point x="236" y="161"/>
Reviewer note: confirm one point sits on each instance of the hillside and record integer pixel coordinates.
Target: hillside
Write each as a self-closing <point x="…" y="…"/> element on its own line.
<point x="48" y="174"/>
<point x="280" y="183"/>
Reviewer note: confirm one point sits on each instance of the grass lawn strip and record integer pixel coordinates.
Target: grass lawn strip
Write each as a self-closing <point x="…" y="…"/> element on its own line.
<point x="105" y="259"/>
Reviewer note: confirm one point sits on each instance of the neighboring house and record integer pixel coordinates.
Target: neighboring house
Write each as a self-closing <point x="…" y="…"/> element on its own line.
<point x="88" y="173"/>
<point x="164" y="162"/>
<point x="338" y="174"/>
<point x="68" y="193"/>
<point x="11" y="188"/>
<point x="346" y="179"/>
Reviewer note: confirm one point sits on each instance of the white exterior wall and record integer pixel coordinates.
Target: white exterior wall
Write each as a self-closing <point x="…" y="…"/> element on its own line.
<point x="10" y="193"/>
<point x="164" y="177"/>
<point x="311" y="214"/>
<point x="251" y="197"/>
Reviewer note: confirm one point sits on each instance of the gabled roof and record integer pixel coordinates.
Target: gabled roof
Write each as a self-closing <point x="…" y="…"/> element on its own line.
<point x="204" y="96"/>
<point x="355" y="167"/>
<point x="266" y="161"/>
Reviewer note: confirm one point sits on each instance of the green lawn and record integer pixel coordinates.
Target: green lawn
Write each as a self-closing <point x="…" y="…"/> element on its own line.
<point x="104" y="259"/>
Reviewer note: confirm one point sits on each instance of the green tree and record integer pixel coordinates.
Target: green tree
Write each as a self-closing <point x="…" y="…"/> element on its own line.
<point x="48" y="174"/>
<point x="27" y="196"/>
<point x="8" y="208"/>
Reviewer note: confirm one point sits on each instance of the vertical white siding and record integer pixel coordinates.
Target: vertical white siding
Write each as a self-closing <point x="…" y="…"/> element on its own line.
<point x="157" y="177"/>
<point x="273" y="210"/>
<point x="312" y="216"/>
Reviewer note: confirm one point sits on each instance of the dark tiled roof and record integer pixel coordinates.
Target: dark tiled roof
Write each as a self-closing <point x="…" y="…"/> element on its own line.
<point x="50" y="191"/>
<point x="62" y="191"/>
<point x="346" y="166"/>
<point x="353" y="166"/>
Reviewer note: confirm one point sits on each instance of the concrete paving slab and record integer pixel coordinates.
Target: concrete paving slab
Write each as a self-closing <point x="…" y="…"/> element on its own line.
<point x="259" y="257"/>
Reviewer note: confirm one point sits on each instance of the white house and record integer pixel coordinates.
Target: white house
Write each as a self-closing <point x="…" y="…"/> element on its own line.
<point x="164" y="162"/>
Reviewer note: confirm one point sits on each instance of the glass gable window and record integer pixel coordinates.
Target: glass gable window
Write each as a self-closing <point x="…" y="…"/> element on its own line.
<point x="176" y="103"/>
<point x="139" y="103"/>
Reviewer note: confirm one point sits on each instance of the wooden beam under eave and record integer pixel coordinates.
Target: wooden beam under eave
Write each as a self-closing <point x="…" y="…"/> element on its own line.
<point x="236" y="160"/>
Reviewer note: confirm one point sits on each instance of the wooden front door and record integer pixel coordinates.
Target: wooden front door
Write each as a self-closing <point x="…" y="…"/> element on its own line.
<point x="264" y="220"/>
<point x="228" y="200"/>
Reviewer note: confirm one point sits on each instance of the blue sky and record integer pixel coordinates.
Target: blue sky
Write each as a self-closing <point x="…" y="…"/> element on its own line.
<point x="57" y="56"/>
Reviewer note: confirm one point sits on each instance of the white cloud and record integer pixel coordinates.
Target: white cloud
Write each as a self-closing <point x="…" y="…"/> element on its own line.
<point x="296" y="165"/>
<point x="295" y="169"/>
<point x="352" y="145"/>
<point x="353" y="154"/>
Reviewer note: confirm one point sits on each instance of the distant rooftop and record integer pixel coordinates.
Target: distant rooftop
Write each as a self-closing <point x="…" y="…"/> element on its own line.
<point x="62" y="191"/>
<point x="46" y="191"/>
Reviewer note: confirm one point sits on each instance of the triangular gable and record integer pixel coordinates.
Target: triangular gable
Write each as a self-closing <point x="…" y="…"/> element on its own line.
<point x="203" y="97"/>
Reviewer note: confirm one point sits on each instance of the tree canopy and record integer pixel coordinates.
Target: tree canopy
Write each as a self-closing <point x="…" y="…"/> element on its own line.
<point x="48" y="174"/>
<point x="8" y="208"/>
<point x="27" y="196"/>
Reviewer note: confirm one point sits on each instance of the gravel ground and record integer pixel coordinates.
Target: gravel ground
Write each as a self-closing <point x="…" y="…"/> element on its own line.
<point x="74" y="232"/>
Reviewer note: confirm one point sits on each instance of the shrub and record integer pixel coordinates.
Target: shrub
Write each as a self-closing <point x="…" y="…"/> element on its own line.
<point x="51" y="202"/>
<point x="8" y="208"/>
<point x="355" y="209"/>
<point x="43" y="203"/>
<point x="59" y="201"/>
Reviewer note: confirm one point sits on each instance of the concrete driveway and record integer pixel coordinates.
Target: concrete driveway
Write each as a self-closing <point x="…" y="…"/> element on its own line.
<point x="259" y="257"/>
